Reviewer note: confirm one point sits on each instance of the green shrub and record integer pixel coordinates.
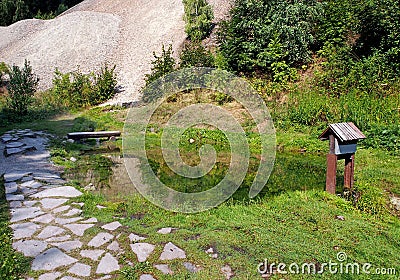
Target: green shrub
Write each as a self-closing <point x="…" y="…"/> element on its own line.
<point x="106" y="81"/>
<point x="4" y="70"/>
<point x="384" y="136"/>
<point x="195" y="55"/>
<point x="21" y="88"/>
<point x="161" y="65"/>
<point x="198" y="18"/>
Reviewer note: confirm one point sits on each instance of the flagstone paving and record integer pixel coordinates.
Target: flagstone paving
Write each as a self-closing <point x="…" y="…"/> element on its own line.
<point x="51" y="229"/>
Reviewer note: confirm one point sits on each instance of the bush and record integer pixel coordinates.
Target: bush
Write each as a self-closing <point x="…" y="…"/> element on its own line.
<point x="198" y="18"/>
<point x="21" y="88"/>
<point x="161" y="65"/>
<point x="106" y="81"/>
<point x="195" y="55"/>
<point x="254" y="27"/>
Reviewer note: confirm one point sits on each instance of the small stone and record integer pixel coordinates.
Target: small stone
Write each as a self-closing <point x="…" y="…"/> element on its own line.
<point x="30" y="248"/>
<point x="147" y="277"/>
<point x="20" y="214"/>
<point x="133" y="237"/>
<point x="31" y="184"/>
<point x="227" y="271"/>
<point x="92" y="254"/>
<point x="166" y="230"/>
<point x="142" y="250"/>
<point x="114" y="246"/>
<point x="340" y="218"/>
<point x="107" y="265"/>
<point x="68" y="245"/>
<point x="11" y="187"/>
<point x="51" y="203"/>
<point x="50" y="231"/>
<point x="65" y="191"/>
<point x="51" y="260"/>
<point x="396" y="202"/>
<point x="24" y="230"/>
<point x="100" y="207"/>
<point x="78" y="229"/>
<point x="73" y="159"/>
<point x="210" y="250"/>
<point x="81" y="204"/>
<point x="80" y="269"/>
<point x="112" y="226"/>
<point x="12" y="197"/>
<point x="90" y="187"/>
<point x="50" y="276"/>
<point x="172" y="252"/>
<point x="59" y="238"/>
<point x="100" y="239"/>
<point x="164" y="268"/>
<point x="62" y="221"/>
<point x="15" y="204"/>
<point x="61" y="209"/>
<point x="191" y="267"/>
<point x="45" y="219"/>
<point x="191" y="141"/>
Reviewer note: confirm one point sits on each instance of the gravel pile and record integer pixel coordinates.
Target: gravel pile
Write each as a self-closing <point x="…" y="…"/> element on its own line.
<point x="94" y="32"/>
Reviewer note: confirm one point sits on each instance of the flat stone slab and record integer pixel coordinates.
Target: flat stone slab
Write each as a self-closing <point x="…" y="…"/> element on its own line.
<point x="80" y="269"/>
<point x="15" y="204"/>
<point x="24" y="230"/>
<point x="90" y="221"/>
<point x="147" y="277"/>
<point x="20" y="214"/>
<point x="92" y="254"/>
<point x="15" y="144"/>
<point x="164" y="268"/>
<point x="68" y="246"/>
<point x="167" y="230"/>
<point x="65" y="191"/>
<point x="79" y="229"/>
<point x="51" y="203"/>
<point x="112" y="226"/>
<point x="31" y="184"/>
<point x="63" y="221"/>
<point x="114" y="246"/>
<point x="172" y="252"/>
<point x="12" y="197"/>
<point x="59" y="238"/>
<point x="191" y="267"/>
<point x="45" y="219"/>
<point x="107" y="265"/>
<point x="61" y="209"/>
<point x="142" y="250"/>
<point x="134" y="237"/>
<point x="11" y="187"/>
<point x="14" y="176"/>
<point x="51" y="260"/>
<point x="100" y="239"/>
<point x="50" y="276"/>
<point x="73" y="212"/>
<point x="30" y="203"/>
<point x="30" y="248"/>
<point x="13" y="151"/>
<point x="50" y="231"/>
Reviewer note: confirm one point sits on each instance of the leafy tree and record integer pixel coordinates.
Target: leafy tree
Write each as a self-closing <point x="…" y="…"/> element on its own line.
<point x="21" y="88"/>
<point x="4" y="70"/>
<point x="161" y="65"/>
<point x="195" y="55"/>
<point x="198" y="18"/>
<point x="106" y="81"/>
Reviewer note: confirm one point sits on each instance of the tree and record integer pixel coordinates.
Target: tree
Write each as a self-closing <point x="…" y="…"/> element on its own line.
<point x="198" y="18"/>
<point x="21" y="88"/>
<point x="161" y="65"/>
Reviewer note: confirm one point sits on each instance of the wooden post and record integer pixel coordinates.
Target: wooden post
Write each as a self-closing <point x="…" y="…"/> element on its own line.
<point x="331" y="167"/>
<point x="349" y="172"/>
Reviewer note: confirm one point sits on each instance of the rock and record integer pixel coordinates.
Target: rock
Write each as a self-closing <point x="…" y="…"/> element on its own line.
<point x="73" y="159"/>
<point x="68" y="246"/>
<point x="51" y="203"/>
<point x="112" y="226"/>
<point x="92" y="254"/>
<point x="61" y="209"/>
<point x="191" y="141"/>
<point x="14" y="176"/>
<point x="164" y="268"/>
<point x="100" y="239"/>
<point x="12" y="197"/>
<point x="73" y="212"/>
<point x="11" y="187"/>
<point x="147" y="277"/>
<point x="59" y="238"/>
<point x="133" y="237"/>
<point x="166" y="230"/>
<point x="65" y="191"/>
<point x="62" y="221"/>
<point x="30" y="203"/>
<point x="30" y="248"/>
<point x="90" y="187"/>
<point x="396" y="202"/>
<point x="50" y="231"/>
<point x="91" y="220"/>
<point x="227" y="271"/>
<point x="50" y="276"/>
<point x="51" y="260"/>
<point x="142" y="250"/>
<point x="13" y="145"/>
<point x="32" y="184"/>
<point x="114" y="246"/>
<point x="79" y="229"/>
<point x="15" y="204"/>
<point x="191" y="267"/>
<point x="107" y="265"/>
<point x="172" y="252"/>
<point x="13" y="151"/>
<point x="20" y="214"/>
<point x="80" y="269"/>
<point x="24" y="230"/>
<point x="45" y="219"/>
<point x="100" y="207"/>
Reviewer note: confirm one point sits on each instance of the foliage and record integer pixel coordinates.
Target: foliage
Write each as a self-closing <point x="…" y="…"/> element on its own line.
<point x="384" y="136"/>
<point x="198" y="18"/>
<point x="76" y="90"/>
<point x="195" y="55"/>
<point x="260" y="33"/>
<point x="21" y="88"/>
<point x="4" y="70"/>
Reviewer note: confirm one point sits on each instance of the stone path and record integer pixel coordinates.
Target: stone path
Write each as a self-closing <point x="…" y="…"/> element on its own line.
<point x="51" y="229"/>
